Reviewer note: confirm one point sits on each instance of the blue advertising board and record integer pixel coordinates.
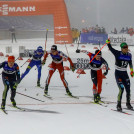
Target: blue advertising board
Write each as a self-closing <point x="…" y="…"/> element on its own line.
<point x="93" y="37"/>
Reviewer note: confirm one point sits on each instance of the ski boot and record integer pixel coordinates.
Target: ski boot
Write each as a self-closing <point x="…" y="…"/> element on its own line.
<point x="119" y="108"/>
<point x="13" y="102"/>
<point x="3" y="105"/>
<point x="38" y="83"/>
<point x="129" y="105"/>
<point x="46" y="90"/>
<point x="68" y="92"/>
<point x="96" y="98"/>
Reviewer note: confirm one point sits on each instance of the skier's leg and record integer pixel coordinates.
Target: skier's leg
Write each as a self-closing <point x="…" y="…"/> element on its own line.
<point x="62" y="76"/>
<point x="13" y="93"/>
<point x="99" y="83"/>
<point x="6" y="88"/>
<point x="31" y="64"/>
<point x="126" y="82"/>
<point x="51" y="71"/>
<point x="39" y="67"/>
<point x="94" y="80"/>
<point x="121" y="89"/>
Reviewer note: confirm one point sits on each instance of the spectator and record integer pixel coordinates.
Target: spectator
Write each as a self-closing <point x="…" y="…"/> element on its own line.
<point x="76" y="33"/>
<point x="12" y="30"/>
<point x="122" y="30"/>
<point x="126" y="30"/>
<point x="115" y="31"/>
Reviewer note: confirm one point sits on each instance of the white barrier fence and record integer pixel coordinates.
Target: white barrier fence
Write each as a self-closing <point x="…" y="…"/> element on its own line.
<point x="118" y="38"/>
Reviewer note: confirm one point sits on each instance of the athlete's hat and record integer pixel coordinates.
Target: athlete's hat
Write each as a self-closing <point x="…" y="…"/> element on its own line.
<point x="97" y="52"/>
<point x="11" y="59"/>
<point x="39" y="49"/>
<point x="123" y="44"/>
<point x="54" y="47"/>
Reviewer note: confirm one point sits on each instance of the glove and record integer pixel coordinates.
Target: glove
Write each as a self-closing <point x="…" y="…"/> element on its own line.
<point x="30" y="55"/>
<point x="43" y="62"/>
<point x="78" y="51"/>
<point x="7" y="82"/>
<point x="108" y="41"/>
<point x="105" y="73"/>
<point x="73" y="68"/>
<point x="15" y="85"/>
<point x="132" y="74"/>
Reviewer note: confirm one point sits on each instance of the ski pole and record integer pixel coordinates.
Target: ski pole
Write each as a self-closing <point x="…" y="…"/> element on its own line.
<point x="79" y="40"/>
<point x="45" y="44"/>
<point x="24" y="63"/>
<point x="46" y="39"/>
<point x="93" y="58"/>
<point x="98" y="52"/>
<point x="17" y="58"/>
<point x="30" y="97"/>
<point x="65" y="46"/>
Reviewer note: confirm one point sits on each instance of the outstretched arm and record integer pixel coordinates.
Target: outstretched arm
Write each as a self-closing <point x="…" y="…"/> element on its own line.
<point x="106" y="64"/>
<point x="114" y="51"/>
<point x="69" y="59"/>
<point x="18" y="73"/>
<point x="131" y="67"/>
<point x="84" y="51"/>
<point x="71" y="63"/>
<point x="45" y="57"/>
<point x="1" y="64"/>
<point x="18" y="77"/>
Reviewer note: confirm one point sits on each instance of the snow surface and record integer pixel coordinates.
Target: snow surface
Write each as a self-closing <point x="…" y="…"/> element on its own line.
<point x="64" y="115"/>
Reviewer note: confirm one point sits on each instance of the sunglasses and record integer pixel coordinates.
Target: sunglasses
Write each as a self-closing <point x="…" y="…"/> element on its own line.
<point x="39" y="52"/>
<point x="125" y="47"/>
<point x="98" y="55"/>
<point x="53" y="51"/>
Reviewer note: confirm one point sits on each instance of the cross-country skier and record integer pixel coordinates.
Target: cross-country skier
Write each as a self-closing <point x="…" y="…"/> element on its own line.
<point x="122" y="59"/>
<point x="36" y="60"/>
<point x="96" y="72"/>
<point x="10" y="77"/>
<point x="57" y="63"/>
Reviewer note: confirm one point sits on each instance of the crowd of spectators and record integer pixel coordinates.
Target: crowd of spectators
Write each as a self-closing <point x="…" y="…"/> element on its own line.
<point x="99" y="30"/>
<point x="102" y="30"/>
<point x="123" y="30"/>
<point x="96" y="29"/>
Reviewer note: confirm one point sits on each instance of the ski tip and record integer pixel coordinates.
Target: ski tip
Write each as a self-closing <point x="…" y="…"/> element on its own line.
<point x="3" y="111"/>
<point x="121" y="112"/>
<point x="71" y="96"/>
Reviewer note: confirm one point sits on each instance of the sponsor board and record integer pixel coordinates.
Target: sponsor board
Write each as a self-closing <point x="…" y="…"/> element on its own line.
<point x="26" y="53"/>
<point x="93" y="37"/>
<point x="5" y="9"/>
<point x="81" y="63"/>
<point x="61" y="27"/>
<point x="117" y="39"/>
<point x="60" y="34"/>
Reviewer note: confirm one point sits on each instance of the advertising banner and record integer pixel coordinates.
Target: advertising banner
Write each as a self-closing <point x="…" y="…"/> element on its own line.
<point x="118" y="38"/>
<point x="81" y="63"/>
<point x="57" y="8"/>
<point x="93" y="37"/>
